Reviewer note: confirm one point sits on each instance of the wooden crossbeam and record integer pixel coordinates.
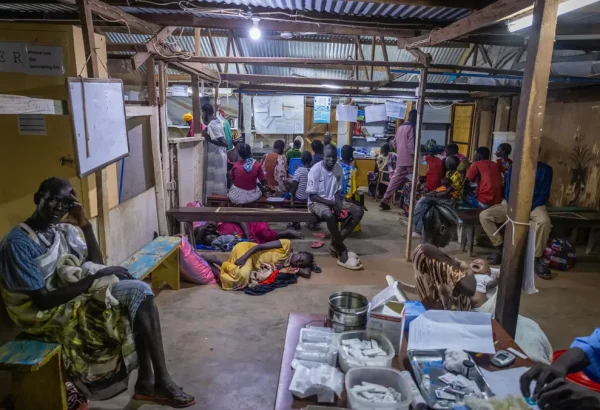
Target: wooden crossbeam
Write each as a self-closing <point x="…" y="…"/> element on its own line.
<point x="118" y="16"/>
<point x="190" y="20"/>
<point x="494" y="13"/>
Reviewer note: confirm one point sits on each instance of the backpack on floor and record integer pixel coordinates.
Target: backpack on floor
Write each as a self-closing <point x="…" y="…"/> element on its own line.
<point x="560" y="254"/>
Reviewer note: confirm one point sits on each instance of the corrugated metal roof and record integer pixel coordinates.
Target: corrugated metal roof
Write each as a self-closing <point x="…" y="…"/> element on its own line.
<point x="339" y="7"/>
<point x="302" y="49"/>
<point x="26" y="8"/>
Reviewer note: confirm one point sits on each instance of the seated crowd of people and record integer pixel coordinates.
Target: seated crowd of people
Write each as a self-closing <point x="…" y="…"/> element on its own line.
<point x="452" y="179"/>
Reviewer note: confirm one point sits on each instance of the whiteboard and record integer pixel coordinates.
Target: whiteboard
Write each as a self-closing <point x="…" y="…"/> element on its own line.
<point x="99" y="135"/>
<point x="288" y="120"/>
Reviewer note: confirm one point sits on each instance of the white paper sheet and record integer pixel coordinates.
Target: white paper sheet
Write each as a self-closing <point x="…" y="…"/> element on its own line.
<point x="395" y="109"/>
<point x="346" y="113"/>
<point x="299" y="127"/>
<point x="266" y="121"/>
<point x="259" y="107"/>
<point x="375" y="113"/>
<point x="276" y="107"/>
<point x="444" y="329"/>
<point x="505" y="382"/>
<point x="280" y="127"/>
<point x="371" y="139"/>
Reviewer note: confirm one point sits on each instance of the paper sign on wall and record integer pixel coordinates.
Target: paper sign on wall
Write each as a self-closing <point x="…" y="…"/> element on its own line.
<point x="31" y="59"/>
<point x="347" y="113"/>
<point x="322" y="110"/>
<point x="395" y="109"/>
<point x="375" y="113"/>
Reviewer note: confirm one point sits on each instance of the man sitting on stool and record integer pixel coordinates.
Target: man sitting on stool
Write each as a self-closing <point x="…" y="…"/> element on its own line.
<point x="325" y="201"/>
<point x="497" y="215"/>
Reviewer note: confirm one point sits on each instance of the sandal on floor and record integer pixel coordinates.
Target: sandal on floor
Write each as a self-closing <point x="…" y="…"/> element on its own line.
<point x="317" y="244"/>
<point x="316" y="268"/>
<point x="179" y="401"/>
<point x="349" y="266"/>
<point x="322" y="235"/>
<point x="352" y="263"/>
<point x="544" y="275"/>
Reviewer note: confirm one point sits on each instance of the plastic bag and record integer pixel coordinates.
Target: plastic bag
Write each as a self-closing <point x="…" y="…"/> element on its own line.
<point x="317" y="379"/>
<point x="192" y="267"/>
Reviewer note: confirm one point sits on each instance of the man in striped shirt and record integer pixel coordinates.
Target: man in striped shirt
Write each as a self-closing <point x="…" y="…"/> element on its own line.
<point x="300" y="179"/>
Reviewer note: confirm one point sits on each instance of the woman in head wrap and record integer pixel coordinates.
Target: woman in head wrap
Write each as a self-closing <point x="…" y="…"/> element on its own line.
<point x="442" y="281"/>
<point x="189" y="120"/>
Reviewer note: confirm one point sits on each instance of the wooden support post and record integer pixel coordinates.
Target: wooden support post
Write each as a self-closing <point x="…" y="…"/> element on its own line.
<point x="197" y="113"/>
<point x="372" y="55"/>
<point x="233" y="47"/>
<point x="159" y="185"/>
<point x="197" y="43"/>
<point x="227" y="51"/>
<point x="89" y="44"/>
<point x="527" y="146"/>
<point x="361" y="55"/>
<point x="151" y="81"/>
<point x="164" y="134"/>
<point x="213" y="48"/>
<point x="385" y="58"/>
<point x="415" y="177"/>
<point x="196" y="109"/>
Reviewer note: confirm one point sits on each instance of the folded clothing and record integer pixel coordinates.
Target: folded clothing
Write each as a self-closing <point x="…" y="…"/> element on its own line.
<point x="281" y="281"/>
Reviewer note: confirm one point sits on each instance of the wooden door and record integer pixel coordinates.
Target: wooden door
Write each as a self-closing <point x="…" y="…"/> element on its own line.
<point x="462" y="127"/>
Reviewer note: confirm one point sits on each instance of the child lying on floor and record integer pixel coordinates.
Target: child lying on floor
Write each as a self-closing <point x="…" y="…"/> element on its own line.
<point x="485" y="282"/>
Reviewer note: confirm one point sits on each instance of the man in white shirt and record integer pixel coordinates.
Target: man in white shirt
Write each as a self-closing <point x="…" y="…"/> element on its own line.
<point x="325" y="201"/>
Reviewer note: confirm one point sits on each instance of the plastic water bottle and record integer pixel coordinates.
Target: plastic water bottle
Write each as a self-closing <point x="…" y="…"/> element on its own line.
<point x="418" y="402"/>
<point x="372" y="153"/>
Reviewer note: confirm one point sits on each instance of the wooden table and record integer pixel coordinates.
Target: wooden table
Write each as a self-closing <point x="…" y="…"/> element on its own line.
<point x="296" y="321"/>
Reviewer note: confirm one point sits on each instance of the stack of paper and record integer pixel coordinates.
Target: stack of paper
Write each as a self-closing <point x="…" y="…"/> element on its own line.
<point x="444" y="329"/>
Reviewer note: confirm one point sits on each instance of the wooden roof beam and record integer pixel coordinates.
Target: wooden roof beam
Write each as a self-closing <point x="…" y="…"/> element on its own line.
<point x="118" y="16"/>
<point x="494" y="13"/>
<point x="346" y="28"/>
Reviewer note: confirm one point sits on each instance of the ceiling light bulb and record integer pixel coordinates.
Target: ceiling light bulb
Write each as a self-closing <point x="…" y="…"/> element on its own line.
<point x="254" y="31"/>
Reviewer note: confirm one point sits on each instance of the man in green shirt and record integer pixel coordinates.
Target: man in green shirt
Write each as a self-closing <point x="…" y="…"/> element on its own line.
<point x="295" y="152"/>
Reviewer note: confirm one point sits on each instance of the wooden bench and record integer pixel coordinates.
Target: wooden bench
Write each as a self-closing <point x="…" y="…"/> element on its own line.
<point x="226" y="214"/>
<point x="571" y="217"/>
<point x="37" y="377"/>
<point x="223" y="200"/>
<point x="161" y="258"/>
<point x="36" y="366"/>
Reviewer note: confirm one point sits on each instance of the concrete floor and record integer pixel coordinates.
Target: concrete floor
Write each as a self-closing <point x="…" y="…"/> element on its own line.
<point x="226" y="347"/>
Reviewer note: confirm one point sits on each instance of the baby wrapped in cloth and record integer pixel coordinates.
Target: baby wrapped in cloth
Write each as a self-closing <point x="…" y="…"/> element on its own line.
<point x="69" y="269"/>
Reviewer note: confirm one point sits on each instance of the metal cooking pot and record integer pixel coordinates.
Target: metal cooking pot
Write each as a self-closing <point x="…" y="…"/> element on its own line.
<point x="348" y="310"/>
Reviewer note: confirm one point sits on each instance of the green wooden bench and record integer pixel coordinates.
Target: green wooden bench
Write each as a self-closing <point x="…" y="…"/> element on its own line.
<point x="36" y="366"/>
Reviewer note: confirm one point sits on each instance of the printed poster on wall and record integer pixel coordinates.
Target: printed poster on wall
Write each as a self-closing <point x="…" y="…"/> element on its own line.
<point x="31" y="59"/>
<point x="322" y="110"/>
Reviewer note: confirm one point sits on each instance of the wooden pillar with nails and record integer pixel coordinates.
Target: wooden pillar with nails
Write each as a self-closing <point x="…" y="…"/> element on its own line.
<point x="527" y="145"/>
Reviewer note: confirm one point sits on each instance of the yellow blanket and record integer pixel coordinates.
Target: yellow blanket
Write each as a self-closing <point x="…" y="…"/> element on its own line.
<point x="234" y="277"/>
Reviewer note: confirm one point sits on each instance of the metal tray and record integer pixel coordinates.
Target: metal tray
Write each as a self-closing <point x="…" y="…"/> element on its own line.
<point x="433" y="361"/>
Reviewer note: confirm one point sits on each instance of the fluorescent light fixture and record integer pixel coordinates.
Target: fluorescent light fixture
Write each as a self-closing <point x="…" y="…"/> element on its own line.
<point x="331" y="86"/>
<point x="254" y="31"/>
<point x="564" y="7"/>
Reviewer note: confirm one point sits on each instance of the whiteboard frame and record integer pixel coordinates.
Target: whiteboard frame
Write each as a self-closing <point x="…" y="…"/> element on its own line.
<point x="79" y="80"/>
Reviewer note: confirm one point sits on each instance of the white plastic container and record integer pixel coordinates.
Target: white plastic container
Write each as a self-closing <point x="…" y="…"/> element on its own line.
<point x="383" y="376"/>
<point x="347" y="362"/>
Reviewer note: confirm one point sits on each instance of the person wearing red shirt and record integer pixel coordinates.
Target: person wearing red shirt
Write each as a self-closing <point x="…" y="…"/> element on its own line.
<point x="247" y="178"/>
<point x="488" y="177"/>
<point x="435" y="172"/>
